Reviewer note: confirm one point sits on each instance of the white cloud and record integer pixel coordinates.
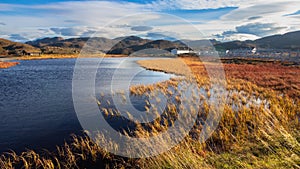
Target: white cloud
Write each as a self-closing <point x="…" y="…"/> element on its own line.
<point x="18" y="37"/>
<point x="251" y="31"/>
<point x="141" y="28"/>
<point x="86" y="13"/>
<point x="209" y="4"/>
<point x="195" y="4"/>
<point x="111" y="19"/>
<point x="235" y="36"/>
<point x="260" y="29"/>
<point x="266" y="18"/>
<point x="274" y="11"/>
<point x="67" y="31"/>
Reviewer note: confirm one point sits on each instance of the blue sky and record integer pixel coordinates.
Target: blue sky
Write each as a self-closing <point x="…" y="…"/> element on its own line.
<point x="32" y="2"/>
<point x="179" y="19"/>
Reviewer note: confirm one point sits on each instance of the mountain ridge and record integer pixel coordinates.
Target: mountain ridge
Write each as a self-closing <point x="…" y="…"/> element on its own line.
<point x="130" y="44"/>
<point x="8" y="47"/>
<point x="290" y="40"/>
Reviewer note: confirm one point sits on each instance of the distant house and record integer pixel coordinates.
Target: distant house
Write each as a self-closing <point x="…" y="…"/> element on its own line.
<point x="241" y="52"/>
<point x="254" y="50"/>
<point x="35" y="53"/>
<point x="208" y="53"/>
<point x="183" y="50"/>
<point x="31" y="53"/>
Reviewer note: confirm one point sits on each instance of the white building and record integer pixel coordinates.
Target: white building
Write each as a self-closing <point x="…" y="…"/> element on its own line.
<point x="181" y="51"/>
<point x="254" y="50"/>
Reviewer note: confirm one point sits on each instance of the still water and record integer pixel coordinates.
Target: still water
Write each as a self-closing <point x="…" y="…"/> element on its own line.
<point x="36" y="107"/>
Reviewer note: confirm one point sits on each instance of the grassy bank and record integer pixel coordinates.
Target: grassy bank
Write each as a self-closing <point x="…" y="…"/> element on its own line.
<point x="5" y="65"/>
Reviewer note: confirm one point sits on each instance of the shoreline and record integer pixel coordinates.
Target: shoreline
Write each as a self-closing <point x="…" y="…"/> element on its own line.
<point x="5" y="65"/>
<point x="59" y="56"/>
<point x="10" y="61"/>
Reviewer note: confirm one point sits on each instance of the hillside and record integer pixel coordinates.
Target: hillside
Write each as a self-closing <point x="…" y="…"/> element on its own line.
<point x="14" y="48"/>
<point x="235" y="45"/>
<point x="289" y="40"/>
<point x="127" y="45"/>
<point x="73" y="45"/>
<point x="132" y="44"/>
<point x="121" y="45"/>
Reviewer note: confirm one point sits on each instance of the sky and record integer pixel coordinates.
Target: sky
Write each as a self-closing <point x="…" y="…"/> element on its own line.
<point x="224" y="20"/>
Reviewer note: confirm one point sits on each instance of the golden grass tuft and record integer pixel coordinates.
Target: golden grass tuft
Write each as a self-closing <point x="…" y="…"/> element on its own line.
<point x="5" y="65"/>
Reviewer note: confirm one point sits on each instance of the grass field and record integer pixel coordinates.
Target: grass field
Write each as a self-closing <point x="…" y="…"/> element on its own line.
<point x="259" y="127"/>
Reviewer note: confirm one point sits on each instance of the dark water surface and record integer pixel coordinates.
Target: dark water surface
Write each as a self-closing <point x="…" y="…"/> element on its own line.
<point x="36" y="107"/>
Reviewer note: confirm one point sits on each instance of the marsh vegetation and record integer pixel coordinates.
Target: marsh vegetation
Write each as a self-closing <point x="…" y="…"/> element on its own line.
<point x="4" y="65"/>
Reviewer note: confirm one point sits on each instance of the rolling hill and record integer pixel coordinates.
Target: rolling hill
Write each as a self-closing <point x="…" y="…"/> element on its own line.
<point x="142" y="44"/>
<point x="132" y="44"/>
<point x="72" y="45"/>
<point x="8" y="47"/>
<point x="289" y="41"/>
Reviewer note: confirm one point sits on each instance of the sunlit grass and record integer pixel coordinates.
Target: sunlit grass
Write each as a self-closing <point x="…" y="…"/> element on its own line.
<point x="4" y="65"/>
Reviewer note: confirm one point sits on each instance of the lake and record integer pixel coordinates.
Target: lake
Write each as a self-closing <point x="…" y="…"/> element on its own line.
<point x="36" y="107"/>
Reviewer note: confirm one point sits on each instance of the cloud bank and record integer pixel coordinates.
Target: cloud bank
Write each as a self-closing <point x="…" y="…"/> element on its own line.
<point x="223" y="20"/>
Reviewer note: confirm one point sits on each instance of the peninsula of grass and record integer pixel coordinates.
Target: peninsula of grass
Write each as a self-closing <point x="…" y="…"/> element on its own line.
<point x="5" y="65"/>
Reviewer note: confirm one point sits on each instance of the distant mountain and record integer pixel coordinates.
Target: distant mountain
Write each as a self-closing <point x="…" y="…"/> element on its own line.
<point x="127" y="45"/>
<point x="235" y="45"/>
<point x="72" y="45"/>
<point x="121" y="45"/>
<point x="207" y="44"/>
<point x="289" y="40"/>
<point x="14" y="48"/>
<point x="131" y="44"/>
<point x="46" y="42"/>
